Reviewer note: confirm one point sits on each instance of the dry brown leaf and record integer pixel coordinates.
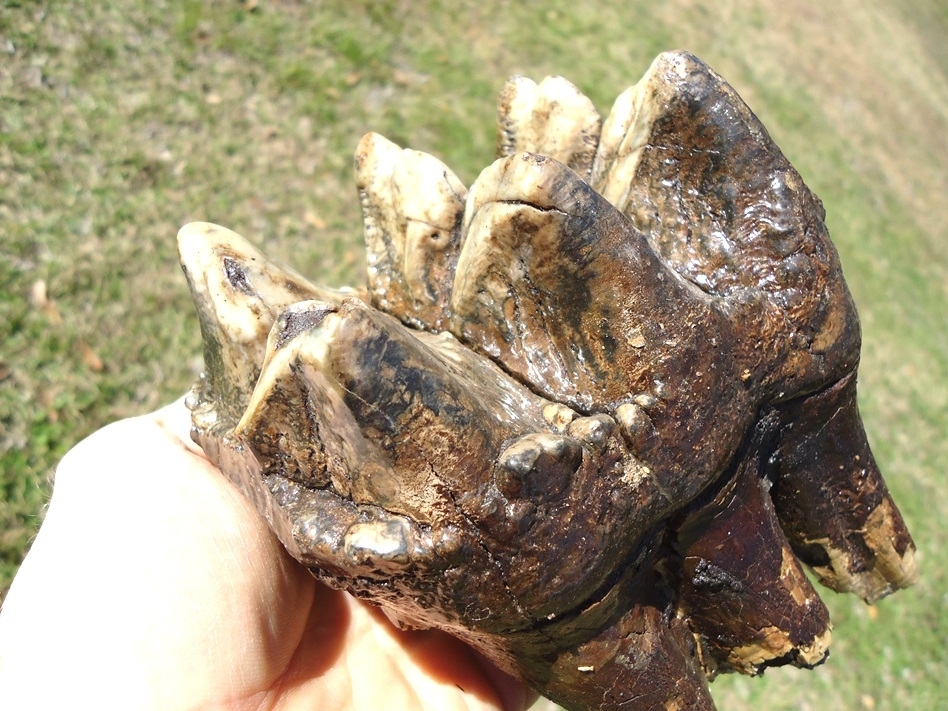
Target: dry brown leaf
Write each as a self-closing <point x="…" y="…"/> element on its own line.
<point x="90" y="358"/>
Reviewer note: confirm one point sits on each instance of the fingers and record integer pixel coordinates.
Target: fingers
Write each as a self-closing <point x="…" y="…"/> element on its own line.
<point x="175" y="421"/>
<point x="147" y="567"/>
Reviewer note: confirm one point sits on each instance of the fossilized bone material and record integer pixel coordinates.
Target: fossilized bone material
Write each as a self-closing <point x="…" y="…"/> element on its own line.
<point x="586" y="415"/>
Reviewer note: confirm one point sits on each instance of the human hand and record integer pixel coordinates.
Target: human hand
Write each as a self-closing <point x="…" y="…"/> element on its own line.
<point x="154" y="584"/>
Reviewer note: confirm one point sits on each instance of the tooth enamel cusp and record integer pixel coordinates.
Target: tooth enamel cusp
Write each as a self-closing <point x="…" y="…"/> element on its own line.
<point x="589" y="415"/>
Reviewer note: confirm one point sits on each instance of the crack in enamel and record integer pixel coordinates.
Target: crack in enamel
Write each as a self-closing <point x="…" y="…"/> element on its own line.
<point x="588" y="415"/>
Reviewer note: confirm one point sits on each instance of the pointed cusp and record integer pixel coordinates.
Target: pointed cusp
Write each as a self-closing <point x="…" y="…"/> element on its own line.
<point x="238" y="294"/>
<point x="552" y="118"/>
<point x="559" y="286"/>
<point x="412" y="206"/>
<point x="691" y="165"/>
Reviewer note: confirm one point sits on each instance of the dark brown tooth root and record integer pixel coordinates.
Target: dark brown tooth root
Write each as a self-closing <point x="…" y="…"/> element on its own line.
<point x="742" y="589"/>
<point x="647" y="659"/>
<point x="832" y="501"/>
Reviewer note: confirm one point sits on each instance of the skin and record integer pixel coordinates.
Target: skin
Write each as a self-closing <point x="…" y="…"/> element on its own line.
<point x="196" y="604"/>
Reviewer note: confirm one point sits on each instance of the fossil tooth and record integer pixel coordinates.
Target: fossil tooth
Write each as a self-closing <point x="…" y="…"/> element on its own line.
<point x="550" y="280"/>
<point x="552" y="118"/>
<point x="406" y="417"/>
<point x="412" y="206"/>
<point x="587" y="415"/>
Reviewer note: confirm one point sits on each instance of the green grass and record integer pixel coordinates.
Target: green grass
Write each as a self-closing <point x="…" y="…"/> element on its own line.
<point x="121" y="121"/>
